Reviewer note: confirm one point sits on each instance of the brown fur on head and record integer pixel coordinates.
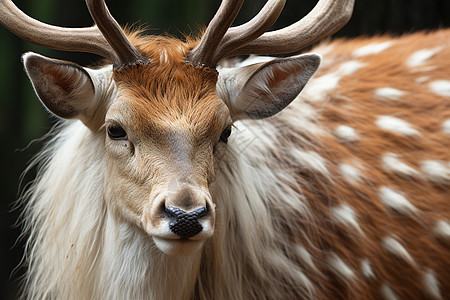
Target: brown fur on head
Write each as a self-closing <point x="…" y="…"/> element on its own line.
<point x="171" y="87"/>
<point x="168" y="84"/>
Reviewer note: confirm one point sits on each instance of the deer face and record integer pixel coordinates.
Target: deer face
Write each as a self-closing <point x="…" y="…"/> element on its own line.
<point x="165" y="126"/>
<point x="164" y="133"/>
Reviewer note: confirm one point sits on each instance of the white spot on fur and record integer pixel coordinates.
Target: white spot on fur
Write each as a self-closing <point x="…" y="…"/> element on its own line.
<point x="424" y="69"/>
<point x="366" y="269"/>
<point x="350" y="67"/>
<point x="396" y="125"/>
<point x="420" y="57"/>
<point x="442" y="230"/>
<point x="422" y="79"/>
<point x="394" y="200"/>
<point x="446" y="127"/>
<point x="306" y="257"/>
<point x="317" y="88"/>
<point x="346" y="216"/>
<point x="310" y="160"/>
<point x="324" y="49"/>
<point x="346" y="133"/>
<point x="431" y="285"/>
<point x="340" y="268"/>
<point x="440" y="87"/>
<point x="393" y="246"/>
<point x="437" y="171"/>
<point x="387" y="293"/>
<point x="351" y="174"/>
<point x="392" y="163"/>
<point x="388" y="93"/>
<point x="373" y="48"/>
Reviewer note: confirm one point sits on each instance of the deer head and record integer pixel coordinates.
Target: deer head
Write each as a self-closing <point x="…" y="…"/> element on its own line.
<point x="164" y="111"/>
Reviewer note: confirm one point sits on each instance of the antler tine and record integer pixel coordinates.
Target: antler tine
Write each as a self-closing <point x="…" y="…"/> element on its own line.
<point x="245" y="33"/>
<point x="126" y="52"/>
<point x="88" y="39"/>
<point x="224" y="17"/>
<point x="327" y="17"/>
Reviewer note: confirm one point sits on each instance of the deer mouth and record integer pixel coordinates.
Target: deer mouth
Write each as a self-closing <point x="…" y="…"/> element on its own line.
<point x="178" y="246"/>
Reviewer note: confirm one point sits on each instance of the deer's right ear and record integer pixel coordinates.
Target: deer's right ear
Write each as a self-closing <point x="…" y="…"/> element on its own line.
<point x="66" y="89"/>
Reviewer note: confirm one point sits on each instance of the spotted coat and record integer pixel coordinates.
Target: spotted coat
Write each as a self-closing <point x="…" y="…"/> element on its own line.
<point x="368" y="143"/>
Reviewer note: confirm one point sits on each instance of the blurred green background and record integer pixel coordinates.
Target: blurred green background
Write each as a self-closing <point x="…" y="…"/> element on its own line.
<point x="23" y="119"/>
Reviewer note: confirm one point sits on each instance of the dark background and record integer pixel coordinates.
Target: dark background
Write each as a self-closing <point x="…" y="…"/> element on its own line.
<point x="22" y="118"/>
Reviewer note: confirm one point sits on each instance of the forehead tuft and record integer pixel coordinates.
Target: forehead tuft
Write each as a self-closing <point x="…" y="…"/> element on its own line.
<point x="169" y="90"/>
<point x="167" y="67"/>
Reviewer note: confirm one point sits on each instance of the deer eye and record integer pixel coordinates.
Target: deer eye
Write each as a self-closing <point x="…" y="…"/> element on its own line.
<point x="225" y="135"/>
<point x="115" y="132"/>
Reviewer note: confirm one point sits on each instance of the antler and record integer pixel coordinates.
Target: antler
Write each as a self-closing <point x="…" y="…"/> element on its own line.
<point x="327" y="17"/>
<point x="115" y="36"/>
<point x="225" y="15"/>
<point x="115" y="47"/>
<point x="219" y="41"/>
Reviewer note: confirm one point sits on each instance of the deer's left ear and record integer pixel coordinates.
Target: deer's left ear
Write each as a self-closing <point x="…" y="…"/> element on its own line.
<point x="262" y="90"/>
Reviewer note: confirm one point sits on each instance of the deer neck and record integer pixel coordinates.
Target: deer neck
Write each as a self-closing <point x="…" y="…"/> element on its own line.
<point x="134" y="268"/>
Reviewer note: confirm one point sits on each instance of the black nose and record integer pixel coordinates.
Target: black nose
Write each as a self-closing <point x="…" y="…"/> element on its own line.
<point x="185" y="224"/>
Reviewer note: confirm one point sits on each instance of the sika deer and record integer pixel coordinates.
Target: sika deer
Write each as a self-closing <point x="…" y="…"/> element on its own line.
<point x="173" y="180"/>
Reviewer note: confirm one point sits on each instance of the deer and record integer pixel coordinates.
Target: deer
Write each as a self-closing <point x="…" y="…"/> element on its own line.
<point x="179" y="172"/>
